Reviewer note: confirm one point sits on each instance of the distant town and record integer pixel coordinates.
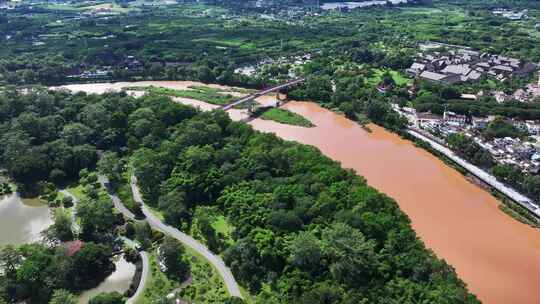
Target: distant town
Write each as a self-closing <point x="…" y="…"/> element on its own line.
<point x="508" y="150"/>
<point x="449" y="64"/>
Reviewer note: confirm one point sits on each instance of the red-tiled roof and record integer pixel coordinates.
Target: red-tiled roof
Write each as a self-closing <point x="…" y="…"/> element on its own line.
<point x="73" y="247"/>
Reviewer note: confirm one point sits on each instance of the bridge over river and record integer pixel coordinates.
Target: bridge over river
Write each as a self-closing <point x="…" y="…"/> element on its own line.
<point x="252" y="96"/>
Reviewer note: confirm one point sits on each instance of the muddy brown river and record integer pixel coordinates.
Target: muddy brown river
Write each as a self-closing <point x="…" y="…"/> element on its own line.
<point x="498" y="257"/>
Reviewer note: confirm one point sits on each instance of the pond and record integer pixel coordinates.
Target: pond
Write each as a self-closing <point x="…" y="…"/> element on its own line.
<point x="22" y="220"/>
<point x="119" y="281"/>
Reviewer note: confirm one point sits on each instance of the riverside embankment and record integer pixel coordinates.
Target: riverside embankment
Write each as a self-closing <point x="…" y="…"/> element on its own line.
<point x="494" y="254"/>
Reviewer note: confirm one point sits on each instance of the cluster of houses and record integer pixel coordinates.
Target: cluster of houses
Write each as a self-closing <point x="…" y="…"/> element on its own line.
<point x="507" y="150"/>
<point x="294" y="61"/>
<point x="509" y="14"/>
<point x="101" y="72"/>
<point x="529" y="93"/>
<point x="513" y="151"/>
<point x="83" y="71"/>
<point x="450" y="64"/>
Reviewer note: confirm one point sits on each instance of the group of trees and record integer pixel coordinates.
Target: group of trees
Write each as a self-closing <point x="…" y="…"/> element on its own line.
<point x="470" y="150"/>
<point x="68" y="261"/>
<point x="51" y="135"/>
<point x="172" y="254"/>
<point x="307" y="231"/>
<point x="501" y="127"/>
<point x="351" y="93"/>
<point x="527" y="183"/>
<point x="38" y="272"/>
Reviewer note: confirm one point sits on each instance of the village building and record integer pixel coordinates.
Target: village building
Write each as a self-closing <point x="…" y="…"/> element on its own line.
<point x="510" y="14"/>
<point x="428" y="120"/>
<point x="454" y="119"/>
<point x="533" y="127"/>
<point x="442" y="66"/>
<point x="440" y="78"/>
<point x="72" y="247"/>
<point x="480" y="123"/>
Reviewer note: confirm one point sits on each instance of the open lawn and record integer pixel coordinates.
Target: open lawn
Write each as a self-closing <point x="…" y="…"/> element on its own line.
<point x="206" y="285"/>
<point x="158" y="284"/>
<point x="399" y="79"/>
<point x="223" y="227"/>
<point x="77" y="191"/>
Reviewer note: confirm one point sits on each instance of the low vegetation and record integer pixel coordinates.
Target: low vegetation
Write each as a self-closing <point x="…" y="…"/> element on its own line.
<point x="286" y="117"/>
<point x="201" y="93"/>
<point x="519" y="213"/>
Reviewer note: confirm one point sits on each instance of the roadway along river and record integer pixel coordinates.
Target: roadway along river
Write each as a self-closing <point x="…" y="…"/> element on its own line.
<point x="498" y="257"/>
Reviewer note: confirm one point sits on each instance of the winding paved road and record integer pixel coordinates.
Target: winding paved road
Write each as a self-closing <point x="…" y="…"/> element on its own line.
<point x="104" y="181"/>
<point x="144" y="278"/>
<point x="215" y="260"/>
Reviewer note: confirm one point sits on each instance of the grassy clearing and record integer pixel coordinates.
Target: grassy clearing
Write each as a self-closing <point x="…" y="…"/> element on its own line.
<point x="123" y="189"/>
<point x="158" y="284"/>
<point x="126" y="196"/>
<point x="201" y="93"/>
<point x="286" y="117"/>
<point x="399" y="79"/>
<point x="206" y="285"/>
<point x="77" y="191"/>
<point x="221" y="225"/>
<point x="216" y="220"/>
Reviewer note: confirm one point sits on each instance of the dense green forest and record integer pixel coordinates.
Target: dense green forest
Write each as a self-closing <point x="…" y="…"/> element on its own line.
<point x="306" y="230"/>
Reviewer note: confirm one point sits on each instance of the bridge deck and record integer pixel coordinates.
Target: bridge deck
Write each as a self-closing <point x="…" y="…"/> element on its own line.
<point x="261" y="93"/>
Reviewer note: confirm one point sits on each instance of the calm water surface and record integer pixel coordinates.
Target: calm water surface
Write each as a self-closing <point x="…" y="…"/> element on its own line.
<point x="498" y="257"/>
<point x="22" y="220"/>
<point x="118" y="281"/>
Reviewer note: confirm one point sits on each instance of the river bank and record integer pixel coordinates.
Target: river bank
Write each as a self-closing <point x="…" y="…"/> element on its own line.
<point x="461" y="222"/>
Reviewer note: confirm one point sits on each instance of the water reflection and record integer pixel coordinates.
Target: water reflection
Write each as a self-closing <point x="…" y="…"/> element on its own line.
<point x="22" y="220"/>
<point x="118" y="281"/>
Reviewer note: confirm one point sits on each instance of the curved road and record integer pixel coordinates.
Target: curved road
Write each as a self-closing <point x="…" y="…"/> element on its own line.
<point x="144" y="278"/>
<point x="215" y="260"/>
<point x="104" y="181"/>
<point x="118" y="205"/>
